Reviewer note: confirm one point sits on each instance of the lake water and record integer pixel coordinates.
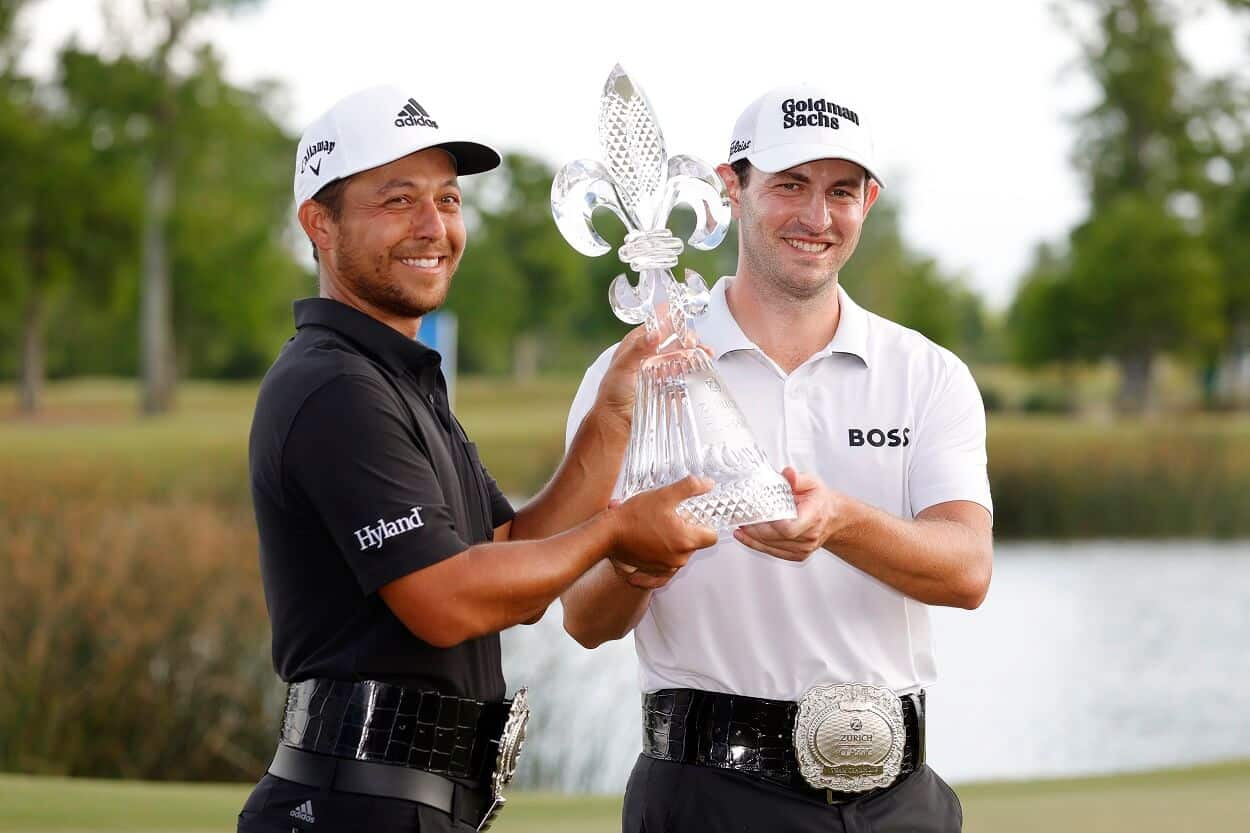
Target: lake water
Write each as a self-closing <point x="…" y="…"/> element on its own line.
<point x="1091" y="657"/>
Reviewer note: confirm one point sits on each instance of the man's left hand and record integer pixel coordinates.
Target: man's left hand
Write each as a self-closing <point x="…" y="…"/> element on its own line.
<point x="616" y="390"/>
<point x="794" y="540"/>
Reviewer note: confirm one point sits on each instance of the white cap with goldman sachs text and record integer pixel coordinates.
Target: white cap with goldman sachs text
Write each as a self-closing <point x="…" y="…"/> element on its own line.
<point x="373" y="127"/>
<point x="795" y="124"/>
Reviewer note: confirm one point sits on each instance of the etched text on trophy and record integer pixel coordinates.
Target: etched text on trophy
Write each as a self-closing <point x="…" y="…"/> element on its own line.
<point x="718" y="418"/>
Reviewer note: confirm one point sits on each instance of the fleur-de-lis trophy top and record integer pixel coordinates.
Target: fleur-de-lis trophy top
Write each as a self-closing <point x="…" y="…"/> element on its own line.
<point x="641" y="185"/>
<point x="684" y="419"/>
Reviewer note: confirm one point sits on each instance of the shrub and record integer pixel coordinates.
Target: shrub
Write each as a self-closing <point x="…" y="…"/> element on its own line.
<point x="135" y="640"/>
<point x="993" y="399"/>
<point x="1047" y="402"/>
<point x="1053" y="479"/>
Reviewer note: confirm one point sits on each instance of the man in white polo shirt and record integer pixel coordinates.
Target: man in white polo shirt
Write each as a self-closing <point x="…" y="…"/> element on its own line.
<point x="784" y="668"/>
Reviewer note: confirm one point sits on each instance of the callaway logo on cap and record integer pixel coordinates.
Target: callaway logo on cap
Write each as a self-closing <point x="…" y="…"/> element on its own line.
<point x="792" y="125"/>
<point x="373" y="127"/>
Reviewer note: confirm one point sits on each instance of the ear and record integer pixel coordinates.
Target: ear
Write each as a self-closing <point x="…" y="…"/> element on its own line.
<point x="733" y="188"/>
<point x="874" y="191"/>
<point x="317" y="223"/>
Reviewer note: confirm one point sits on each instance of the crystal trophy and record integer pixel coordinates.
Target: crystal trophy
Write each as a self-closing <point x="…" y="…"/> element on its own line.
<point x="684" y="421"/>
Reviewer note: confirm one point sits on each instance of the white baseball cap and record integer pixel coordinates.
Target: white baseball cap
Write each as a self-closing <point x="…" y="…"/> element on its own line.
<point x="373" y="127"/>
<point x="800" y="123"/>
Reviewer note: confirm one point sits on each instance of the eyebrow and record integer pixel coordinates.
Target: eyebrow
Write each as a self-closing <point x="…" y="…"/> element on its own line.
<point x="844" y="182"/>
<point x="408" y="183"/>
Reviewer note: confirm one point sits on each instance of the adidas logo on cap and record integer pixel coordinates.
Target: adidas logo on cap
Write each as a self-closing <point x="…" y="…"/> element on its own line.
<point x="414" y="115"/>
<point x="353" y="136"/>
<point x="304" y="812"/>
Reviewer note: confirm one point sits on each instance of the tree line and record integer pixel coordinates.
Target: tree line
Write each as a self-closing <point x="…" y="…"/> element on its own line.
<point x="148" y="229"/>
<point x="1161" y="264"/>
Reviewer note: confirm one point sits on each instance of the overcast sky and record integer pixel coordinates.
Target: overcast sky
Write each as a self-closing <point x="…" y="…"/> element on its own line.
<point x="969" y="99"/>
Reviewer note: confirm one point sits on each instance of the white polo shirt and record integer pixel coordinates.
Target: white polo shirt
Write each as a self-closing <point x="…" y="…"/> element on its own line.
<point x="881" y="414"/>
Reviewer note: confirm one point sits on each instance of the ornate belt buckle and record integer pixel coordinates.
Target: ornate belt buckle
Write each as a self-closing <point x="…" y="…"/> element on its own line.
<point x="849" y="737"/>
<point x="510" y="743"/>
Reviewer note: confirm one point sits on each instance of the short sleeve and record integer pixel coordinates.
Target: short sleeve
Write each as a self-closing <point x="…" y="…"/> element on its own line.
<point x="949" y="462"/>
<point x="501" y="510"/>
<point x="353" y="453"/>
<point x="586" y="393"/>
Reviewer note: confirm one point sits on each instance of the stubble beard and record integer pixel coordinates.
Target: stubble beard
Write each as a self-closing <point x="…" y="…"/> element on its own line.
<point x="763" y="257"/>
<point x="370" y="281"/>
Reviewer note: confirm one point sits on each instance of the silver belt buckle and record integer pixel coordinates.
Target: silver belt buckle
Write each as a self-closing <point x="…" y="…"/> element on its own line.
<point x="849" y="737"/>
<point x="510" y="743"/>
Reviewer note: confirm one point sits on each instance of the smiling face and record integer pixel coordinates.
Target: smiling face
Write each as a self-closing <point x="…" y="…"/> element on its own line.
<point x="398" y="237"/>
<point x="798" y="227"/>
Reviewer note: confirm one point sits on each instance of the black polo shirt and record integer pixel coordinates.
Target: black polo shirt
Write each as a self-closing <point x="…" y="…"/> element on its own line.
<point x="361" y="475"/>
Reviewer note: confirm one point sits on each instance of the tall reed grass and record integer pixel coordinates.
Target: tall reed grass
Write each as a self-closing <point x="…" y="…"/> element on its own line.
<point x="133" y="634"/>
<point x="1183" y="478"/>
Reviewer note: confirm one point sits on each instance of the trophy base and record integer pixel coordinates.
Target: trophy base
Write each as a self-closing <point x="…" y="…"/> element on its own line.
<point x="686" y="422"/>
<point x="743" y="502"/>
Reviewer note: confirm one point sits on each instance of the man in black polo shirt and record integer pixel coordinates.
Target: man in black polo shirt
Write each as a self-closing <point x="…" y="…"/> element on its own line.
<point x="390" y="558"/>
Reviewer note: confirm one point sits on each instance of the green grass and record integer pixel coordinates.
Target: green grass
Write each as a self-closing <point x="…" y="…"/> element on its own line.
<point x="93" y="423"/>
<point x="30" y="804"/>
<point x="518" y="428"/>
<point x="1211" y="799"/>
<point x="1091" y="388"/>
<point x="1172" y="475"/>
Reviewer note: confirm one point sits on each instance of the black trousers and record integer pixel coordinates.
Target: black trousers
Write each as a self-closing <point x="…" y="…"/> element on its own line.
<point x="279" y="806"/>
<point x="670" y="797"/>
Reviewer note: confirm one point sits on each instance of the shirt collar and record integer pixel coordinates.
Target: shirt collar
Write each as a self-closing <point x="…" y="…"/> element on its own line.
<point x="851" y="336"/>
<point x="720" y="331"/>
<point x="391" y="347"/>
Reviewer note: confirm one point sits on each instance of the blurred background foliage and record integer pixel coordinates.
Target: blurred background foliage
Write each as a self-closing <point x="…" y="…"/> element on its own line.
<point x="146" y="234"/>
<point x="147" y="229"/>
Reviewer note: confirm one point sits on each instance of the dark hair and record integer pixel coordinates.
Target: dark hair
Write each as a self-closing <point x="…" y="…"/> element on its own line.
<point x="330" y="196"/>
<point x="742" y="169"/>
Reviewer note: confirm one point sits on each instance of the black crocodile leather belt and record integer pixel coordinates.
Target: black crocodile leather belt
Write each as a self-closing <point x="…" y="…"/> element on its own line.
<point x="390" y="724"/>
<point x="749" y="735"/>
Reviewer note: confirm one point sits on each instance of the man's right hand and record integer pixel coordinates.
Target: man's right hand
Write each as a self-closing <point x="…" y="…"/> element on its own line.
<point x="651" y="537"/>
<point x="616" y="389"/>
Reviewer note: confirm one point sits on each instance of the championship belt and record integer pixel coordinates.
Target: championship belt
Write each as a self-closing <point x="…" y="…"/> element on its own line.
<point x="849" y="737"/>
<point x="510" y="742"/>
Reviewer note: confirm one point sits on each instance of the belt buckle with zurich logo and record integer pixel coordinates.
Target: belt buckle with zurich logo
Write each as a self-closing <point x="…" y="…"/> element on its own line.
<point x="849" y="737"/>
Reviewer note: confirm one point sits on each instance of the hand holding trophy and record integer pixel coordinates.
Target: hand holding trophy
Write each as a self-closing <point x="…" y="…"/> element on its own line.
<point x="684" y="420"/>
